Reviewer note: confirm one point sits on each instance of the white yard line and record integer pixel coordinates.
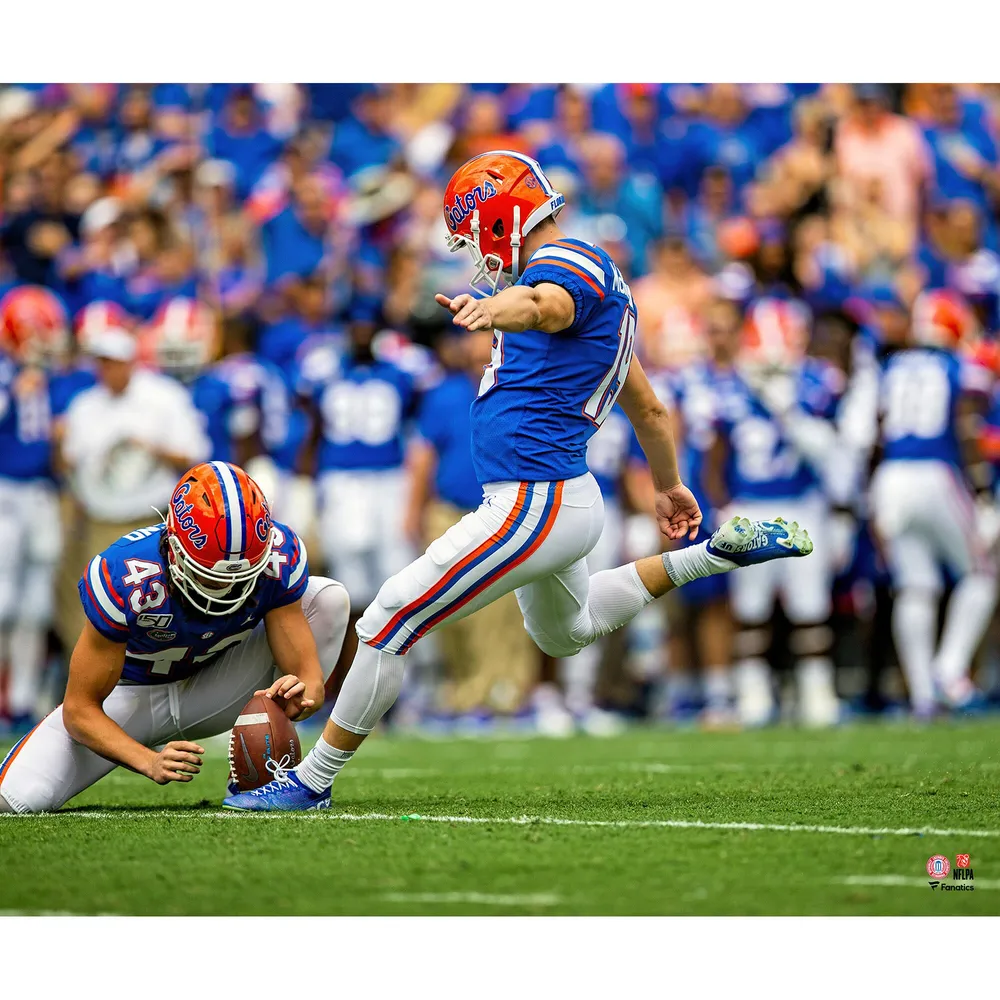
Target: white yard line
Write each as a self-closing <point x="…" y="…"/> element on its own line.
<point x="672" y="824"/>
<point x="488" y="899"/>
<point x="907" y="880"/>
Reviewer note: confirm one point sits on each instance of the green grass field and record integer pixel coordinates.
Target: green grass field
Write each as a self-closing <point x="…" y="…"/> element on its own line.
<point x="655" y="822"/>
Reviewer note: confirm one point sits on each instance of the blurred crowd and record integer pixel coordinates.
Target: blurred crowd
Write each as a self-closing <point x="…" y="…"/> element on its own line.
<point x="274" y="251"/>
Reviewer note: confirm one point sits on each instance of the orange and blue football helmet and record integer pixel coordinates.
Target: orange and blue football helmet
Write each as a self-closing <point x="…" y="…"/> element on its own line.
<point x="492" y="202"/>
<point x="219" y="537"/>
<point x="34" y="328"/>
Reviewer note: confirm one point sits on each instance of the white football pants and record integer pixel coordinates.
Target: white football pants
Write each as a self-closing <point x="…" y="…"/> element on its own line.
<point x="48" y="767"/>
<point x="31" y="541"/>
<point x="924" y="517"/>
<point x="361" y="527"/>
<point x="530" y="538"/>
<point x="804" y="585"/>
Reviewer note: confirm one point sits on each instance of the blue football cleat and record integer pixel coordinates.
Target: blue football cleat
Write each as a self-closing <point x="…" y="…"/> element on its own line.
<point x="745" y="542"/>
<point x="284" y="794"/>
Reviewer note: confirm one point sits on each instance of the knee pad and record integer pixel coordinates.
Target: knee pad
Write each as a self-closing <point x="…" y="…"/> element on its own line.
<point x="811" y="640"/>
<point x="328" y="616"/>
<point x="330" y="609"/>
<point x="751" y="641"/>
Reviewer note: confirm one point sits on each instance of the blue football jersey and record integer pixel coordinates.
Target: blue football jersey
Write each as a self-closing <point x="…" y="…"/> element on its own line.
<point x="544" y="394"/>
<point x="127" y="597"/>
<point x="608" y="451"/>
<point x="697" y="390"/>
<point x="762" y="463"/>
<point x="363" y="406"/>
<point x="26" y="418"/>
<point x="918" y="398"/>
<point x="258" y="402"/>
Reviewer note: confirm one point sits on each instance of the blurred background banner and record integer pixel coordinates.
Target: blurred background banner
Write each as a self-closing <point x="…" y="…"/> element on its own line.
<point x="247" y="272"/>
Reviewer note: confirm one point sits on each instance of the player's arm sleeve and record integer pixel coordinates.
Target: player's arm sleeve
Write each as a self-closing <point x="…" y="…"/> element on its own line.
<point x="103" y="605"/>
<point x="572" y="270"/>
<point x="290" y="562"/>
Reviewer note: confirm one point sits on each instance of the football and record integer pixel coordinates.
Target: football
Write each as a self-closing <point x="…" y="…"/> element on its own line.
<point x="262" y="732"/>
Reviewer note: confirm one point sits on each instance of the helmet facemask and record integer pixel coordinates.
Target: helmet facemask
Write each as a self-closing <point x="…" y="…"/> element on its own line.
<point x="489" y="268"/>
<point x="235" y="579"/>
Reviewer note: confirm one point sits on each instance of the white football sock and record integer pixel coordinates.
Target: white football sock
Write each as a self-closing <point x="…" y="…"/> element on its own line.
<point x="322" y="764"/>
<point x="372" y="685"/>
<point x="694" y="562"/>
<point x="914" y="624"/>
<point x="969" y="612"/>
<point x="616" y="597"/>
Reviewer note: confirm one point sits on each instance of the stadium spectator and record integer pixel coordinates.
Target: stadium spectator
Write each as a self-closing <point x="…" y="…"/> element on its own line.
<point x="285" y="206"/>
<point x="883" y="160"/>
<point x="610" y="190"/>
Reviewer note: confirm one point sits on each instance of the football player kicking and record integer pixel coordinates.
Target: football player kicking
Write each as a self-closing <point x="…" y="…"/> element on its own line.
<point x="186" y="621"/>
<point x="562" y="356"/>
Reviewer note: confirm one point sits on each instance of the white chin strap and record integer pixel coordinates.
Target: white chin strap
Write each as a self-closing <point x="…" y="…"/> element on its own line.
<point x="489" y="268"/>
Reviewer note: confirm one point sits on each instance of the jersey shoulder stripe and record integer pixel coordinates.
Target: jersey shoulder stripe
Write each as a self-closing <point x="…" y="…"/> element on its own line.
<point x="573" y="256"/>
<point x="109" y="586"/>
<point x="580" y="247"/>
<point x="563" y="266"/>
<point x="96" y="590"/>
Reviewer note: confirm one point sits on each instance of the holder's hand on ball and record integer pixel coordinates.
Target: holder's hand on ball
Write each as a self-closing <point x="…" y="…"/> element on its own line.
<point x="293" y="697"/>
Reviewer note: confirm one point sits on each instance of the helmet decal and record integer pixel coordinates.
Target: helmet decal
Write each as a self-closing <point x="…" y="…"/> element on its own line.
<point x="182" y="517"/>
<point x="465" y="205"/>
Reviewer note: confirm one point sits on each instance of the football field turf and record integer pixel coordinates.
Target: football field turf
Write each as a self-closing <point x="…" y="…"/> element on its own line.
<point x="653" y="822"/>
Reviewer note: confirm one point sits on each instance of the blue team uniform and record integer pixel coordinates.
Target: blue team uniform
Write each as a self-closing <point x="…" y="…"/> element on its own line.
<point x="213" y="401"/>
<point x="919" y="392"/>
<point x="127" y="597"/>
<point x="240" y="395"/>
<point x="444" y="423"/>
<point x="363" y="406"/>
<point x="762" y="463"/>
<point x="544" y="395"/>
<point x="694" y="391"/>
<point x="26" y="421"/>
<point x="607" y="453"/>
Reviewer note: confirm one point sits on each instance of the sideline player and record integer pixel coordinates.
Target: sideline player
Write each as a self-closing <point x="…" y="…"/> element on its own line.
<point x="186" y="620"/>
<point x="930" y="399"/>
<point x="562" y="357"/>
<point x="37" y="385"/>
